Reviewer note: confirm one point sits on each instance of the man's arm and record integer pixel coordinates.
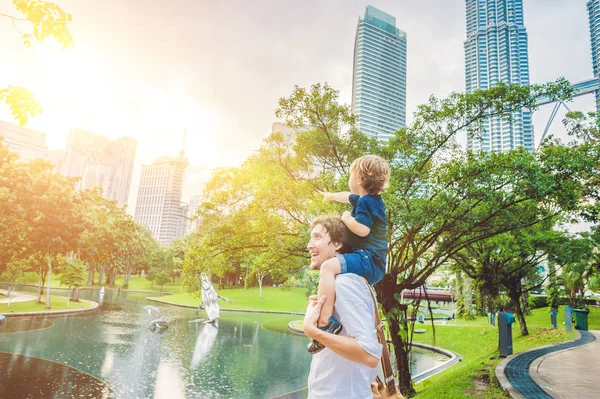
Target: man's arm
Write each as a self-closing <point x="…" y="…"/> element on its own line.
<point x="343" y="197"/>
<point x="347" y="347"/>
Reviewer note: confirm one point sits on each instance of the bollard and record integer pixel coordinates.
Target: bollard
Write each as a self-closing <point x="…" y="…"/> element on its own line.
<point x="568" y="318"/>
<point x="505" y="343"/>
<point x="553" y="317"/>
<point x="492" y="319"/>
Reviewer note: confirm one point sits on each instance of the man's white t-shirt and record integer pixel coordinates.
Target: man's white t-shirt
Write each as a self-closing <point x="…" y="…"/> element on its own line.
<point x="332" y="376"/>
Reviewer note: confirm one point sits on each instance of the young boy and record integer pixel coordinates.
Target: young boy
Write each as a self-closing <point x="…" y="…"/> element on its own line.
<point x="369" y="176"/>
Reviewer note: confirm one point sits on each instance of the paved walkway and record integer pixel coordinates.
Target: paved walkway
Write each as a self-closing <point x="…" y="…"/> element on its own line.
<point x="572" y="373"/>
<point x="16" y="297"/>
<point x="524" y="374"/>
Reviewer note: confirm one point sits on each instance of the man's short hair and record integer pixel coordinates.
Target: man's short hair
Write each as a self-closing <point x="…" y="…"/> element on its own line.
<point x="372" y="173"/>
<point x="338" y="232"/>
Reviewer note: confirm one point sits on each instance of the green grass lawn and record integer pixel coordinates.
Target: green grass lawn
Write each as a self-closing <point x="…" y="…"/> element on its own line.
<point x="274" y="299"/>
<point x="56" y="303"/>
<point x="476" y="342"/>
<point x="136" y="283"/>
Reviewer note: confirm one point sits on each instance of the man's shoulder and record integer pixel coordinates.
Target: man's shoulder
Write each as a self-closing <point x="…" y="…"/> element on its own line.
<point x="351" y="283"/>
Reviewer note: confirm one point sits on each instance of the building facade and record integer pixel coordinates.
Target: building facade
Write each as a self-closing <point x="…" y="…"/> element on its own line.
<point x="159" y="207"/>
<point x="379" y="75"/>
<point x="100" y="162"/>
<point x="593" y="7"/>
<point x="496" y="51"/>
<point x="28" y="143"/>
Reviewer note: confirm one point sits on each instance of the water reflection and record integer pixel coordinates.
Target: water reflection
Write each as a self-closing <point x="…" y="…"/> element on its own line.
<point x="204" y="342"/>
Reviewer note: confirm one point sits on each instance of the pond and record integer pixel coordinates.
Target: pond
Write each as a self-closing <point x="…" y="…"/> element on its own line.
<point x="112" y="353"/>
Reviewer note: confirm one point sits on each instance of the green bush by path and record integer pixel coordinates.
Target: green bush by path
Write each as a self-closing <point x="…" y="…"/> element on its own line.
<point x="56" y="303"/>
<point x="476" y="342"/>
<point x="274" y="299"/>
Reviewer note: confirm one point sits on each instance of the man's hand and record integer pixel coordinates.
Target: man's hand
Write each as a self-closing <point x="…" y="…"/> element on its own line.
<point x="313" y="311"/>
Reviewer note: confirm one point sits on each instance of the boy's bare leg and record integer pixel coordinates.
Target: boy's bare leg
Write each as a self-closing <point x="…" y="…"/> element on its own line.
<point x="329" y="269"/>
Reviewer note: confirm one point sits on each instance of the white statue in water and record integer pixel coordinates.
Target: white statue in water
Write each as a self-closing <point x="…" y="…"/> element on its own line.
<point x="159" y="322"/>
<point x="210" y="300"/>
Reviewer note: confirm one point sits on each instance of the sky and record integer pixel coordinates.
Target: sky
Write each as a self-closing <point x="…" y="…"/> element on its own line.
<point x="148" y="69"/>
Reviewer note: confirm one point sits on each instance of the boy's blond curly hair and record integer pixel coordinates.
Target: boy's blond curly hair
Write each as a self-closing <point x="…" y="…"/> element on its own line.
<point x="372" y="173"/>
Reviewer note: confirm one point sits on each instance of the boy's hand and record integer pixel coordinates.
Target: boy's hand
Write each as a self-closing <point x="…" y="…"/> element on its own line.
<point x="326" y="196"/>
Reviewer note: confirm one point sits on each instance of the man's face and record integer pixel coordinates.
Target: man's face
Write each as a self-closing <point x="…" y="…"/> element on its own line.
<point x="321" y="247"/>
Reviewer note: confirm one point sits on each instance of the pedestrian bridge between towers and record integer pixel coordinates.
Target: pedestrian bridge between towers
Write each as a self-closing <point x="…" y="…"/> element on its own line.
<point x="589" y="86"/>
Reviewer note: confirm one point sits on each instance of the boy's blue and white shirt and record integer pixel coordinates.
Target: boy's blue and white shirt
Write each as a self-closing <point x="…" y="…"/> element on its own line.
<point x="369" y="210"/>
<point x="332" y="376"/>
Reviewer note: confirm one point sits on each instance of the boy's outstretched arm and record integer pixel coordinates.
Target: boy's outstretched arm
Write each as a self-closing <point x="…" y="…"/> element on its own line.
<point x="343" y="197"/>
<point x="357" y="228"/>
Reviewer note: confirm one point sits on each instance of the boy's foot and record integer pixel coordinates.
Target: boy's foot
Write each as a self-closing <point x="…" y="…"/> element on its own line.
<point x="333" y="327"/>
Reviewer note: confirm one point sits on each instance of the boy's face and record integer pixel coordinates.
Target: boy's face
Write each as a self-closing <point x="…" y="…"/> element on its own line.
<point x="321" y="247"/>
<point x="353" y="184"/>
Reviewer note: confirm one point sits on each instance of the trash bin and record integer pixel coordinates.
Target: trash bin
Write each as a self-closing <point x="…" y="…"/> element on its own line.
<point x="553" y="315"/>
<point x="505" y="342"/>
<point x="581" y="319"/>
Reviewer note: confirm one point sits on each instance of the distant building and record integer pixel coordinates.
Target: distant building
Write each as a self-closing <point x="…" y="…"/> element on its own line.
<point x="159" y="205"/>
<point x="496" y="52"/>
<point x="29" y="144"/>
<point x="593" y="7"/>
<point x="57" y="158"/>
<point x="379" y="77"/>
<point x="100" y="162"/>
<point x="194" y="204"/>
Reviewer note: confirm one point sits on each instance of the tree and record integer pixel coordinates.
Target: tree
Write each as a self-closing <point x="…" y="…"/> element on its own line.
<point x="162" y="278"/>
<point x="440" y="199"/>
<point x="45" y="19"/>
<point x="510" y="261"/>
<point x="72" y="276"/>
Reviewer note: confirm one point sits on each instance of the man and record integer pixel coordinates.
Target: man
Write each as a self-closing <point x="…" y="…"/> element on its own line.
<point x="347" y="365"/>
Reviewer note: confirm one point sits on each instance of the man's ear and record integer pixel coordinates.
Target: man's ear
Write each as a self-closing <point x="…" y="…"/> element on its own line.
<point x="338" y="245"/>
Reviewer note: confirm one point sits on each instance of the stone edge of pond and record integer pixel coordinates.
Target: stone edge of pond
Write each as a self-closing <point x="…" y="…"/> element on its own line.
<point x="54" y="312"/>
<point x="454" y="358"/>
<point x="225" y="309"/>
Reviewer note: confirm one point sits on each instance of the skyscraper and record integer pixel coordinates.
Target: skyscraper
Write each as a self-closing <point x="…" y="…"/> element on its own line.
<point x="496" y="51"/>
<point x="28" y="143"/>
<point x="593" y="7"/>
<point x="159" y="205"/>
<point x="379" y="77"/>
<point x="100" y="162"/>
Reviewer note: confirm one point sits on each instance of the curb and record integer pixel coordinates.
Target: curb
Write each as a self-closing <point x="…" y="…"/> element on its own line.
<point x="501" y="368"/>
<point x="225" y="309"/>
<point x="454" y="358"/>
<point x="56" y="312"/>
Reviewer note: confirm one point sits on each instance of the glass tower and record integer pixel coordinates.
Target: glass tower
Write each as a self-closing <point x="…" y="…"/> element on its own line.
<point x="379" y="77"/>
<point x="593" y="7"/>
<point x="496" y="51"/>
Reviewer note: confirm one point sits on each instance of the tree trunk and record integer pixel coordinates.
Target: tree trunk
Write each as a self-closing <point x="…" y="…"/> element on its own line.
<point x="514" y="293"/>
<point x="68" y="298"/>
<point x="76" y="294"/>
<point x="101" y="275"/>
<point x="126" y="278"/>
<point x="40" y="287"/>
<point x="91" y="272"/>
<point x="49" y="280"/>
<point x="386" y="290"/>
<point x="260" y="280"/>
